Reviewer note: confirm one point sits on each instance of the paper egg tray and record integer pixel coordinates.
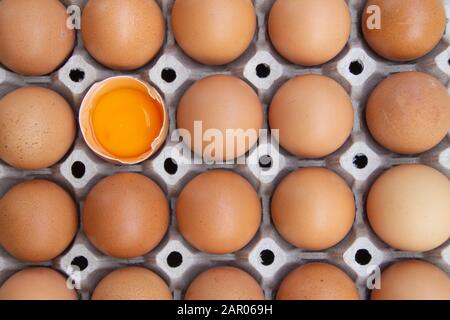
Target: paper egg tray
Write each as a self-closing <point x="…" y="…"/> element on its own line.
<point x="267" y="257"/>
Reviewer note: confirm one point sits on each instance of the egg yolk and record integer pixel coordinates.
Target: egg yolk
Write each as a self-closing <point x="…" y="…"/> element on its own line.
<point x="126" y="122"/>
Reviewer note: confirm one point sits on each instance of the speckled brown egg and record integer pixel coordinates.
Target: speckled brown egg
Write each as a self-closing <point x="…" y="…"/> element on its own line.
<point x="34" y="37"/>
<point x="37" y="284"/>
<point x="132" y="283"/>
<point x="123" y="35"/>
<point x="309" y="32"/>
<point x="223" y="106"/>
<point x="38" y="220"/>
<point x="313" y="208"/>
<point x="402" y="32"/>
<point x="409" y="112"/>
<point x="214" y="32"/>
<point x="37" y="128"/>
<point x="224" y="283"/>
<point x="126" y="215"/>
<point x="317" y="281"/>
<point x="413" y="280"/>
<point x="409" y="208"/>
<point x="314" y="116"/>
<point x="218" y="212"/>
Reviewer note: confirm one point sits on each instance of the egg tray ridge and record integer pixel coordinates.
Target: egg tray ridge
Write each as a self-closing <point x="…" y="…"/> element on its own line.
<point x="267" y="257"/>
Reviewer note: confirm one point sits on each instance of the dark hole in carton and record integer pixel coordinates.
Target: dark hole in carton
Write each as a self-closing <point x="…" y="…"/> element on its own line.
<point x="168" y="75"/>
<point x="262" y="70"/>
<point x="356" y="67"/>
<point x="360" y="161"/>
<point x="171" y="166"/>
<point x="267" y="257"/>
<point x="80" y="262"/>
<point x="174" y="259"/>
<point x="265" y="162"/>
<point x="78" y="169"/>
<point x="363" y="257"/>
<point x="76" y="75"/>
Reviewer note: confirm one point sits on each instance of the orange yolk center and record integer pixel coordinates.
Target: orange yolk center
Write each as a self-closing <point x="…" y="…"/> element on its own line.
<point x="126" y="122"/>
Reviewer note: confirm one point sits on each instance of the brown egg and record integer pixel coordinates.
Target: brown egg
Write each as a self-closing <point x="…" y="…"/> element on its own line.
<point x="413" y="280"/>
<point x="37" y="128"/>
<point x="126" y="215"/>
<point x="132" y="283"/>
<point x="218" y="212"/>
<point x="314" y="116"/>
<point x="220" y="103"/>
<point x="34" y="37"/>
<point x="404" y="32"/>
<point x="313" y="208"/>
<point x="214" y="32"/>
<point x="317" y="281"/>
<point x="309" y="32"/>
<point x="37" y="284"/>
<point x="224" y="283"/>
<point x="409" y="112"/>
<point x="123" y="35"/>
<point x="408" y="208"/>
<point x="38" y="220"/>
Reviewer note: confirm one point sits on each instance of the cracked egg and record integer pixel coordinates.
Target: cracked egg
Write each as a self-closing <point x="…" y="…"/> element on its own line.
<point x="123" y="120"/>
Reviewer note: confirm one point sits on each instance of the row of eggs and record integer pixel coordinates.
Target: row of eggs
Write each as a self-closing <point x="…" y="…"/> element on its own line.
<point x="127" y="35"/>
<point x="124" y="120"/>
<point x="126" y="215"/>
<point x="405" y="280"/>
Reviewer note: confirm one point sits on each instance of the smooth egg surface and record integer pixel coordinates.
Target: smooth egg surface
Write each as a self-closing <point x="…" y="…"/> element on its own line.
<point x="214" y="32"/>
<point x="126" y="215"/>
<point x="37" y="283"/>
<point x="408" y="207"/>
<point x="218" y="212"/>
<point x="224" y="283"/>
<point x="132" y="283"/>
<point x="34" y="36"/>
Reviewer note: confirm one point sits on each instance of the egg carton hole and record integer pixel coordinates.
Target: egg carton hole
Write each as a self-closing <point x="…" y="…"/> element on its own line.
<point x="267" y="257"/>
<point x="78" y="169"/>
<point x="169" y="75"/>
<point x="356" y="67"/>
<point x="263" y="70"/>
<point x="77" y="75"/>
<point x="363" y="257"/>
<point x="360" y="161"/>
<point x="265" y="162"/>
<point x="174" y="259"/>
<point x="80" y="262"/>
<point x="170" y="166"/>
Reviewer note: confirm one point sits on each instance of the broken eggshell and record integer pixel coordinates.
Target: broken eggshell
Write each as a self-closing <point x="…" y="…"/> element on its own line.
<point x="95" y="93"/>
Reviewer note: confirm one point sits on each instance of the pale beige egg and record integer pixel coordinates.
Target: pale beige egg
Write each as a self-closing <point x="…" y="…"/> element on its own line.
<point x="408" y="207"/>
